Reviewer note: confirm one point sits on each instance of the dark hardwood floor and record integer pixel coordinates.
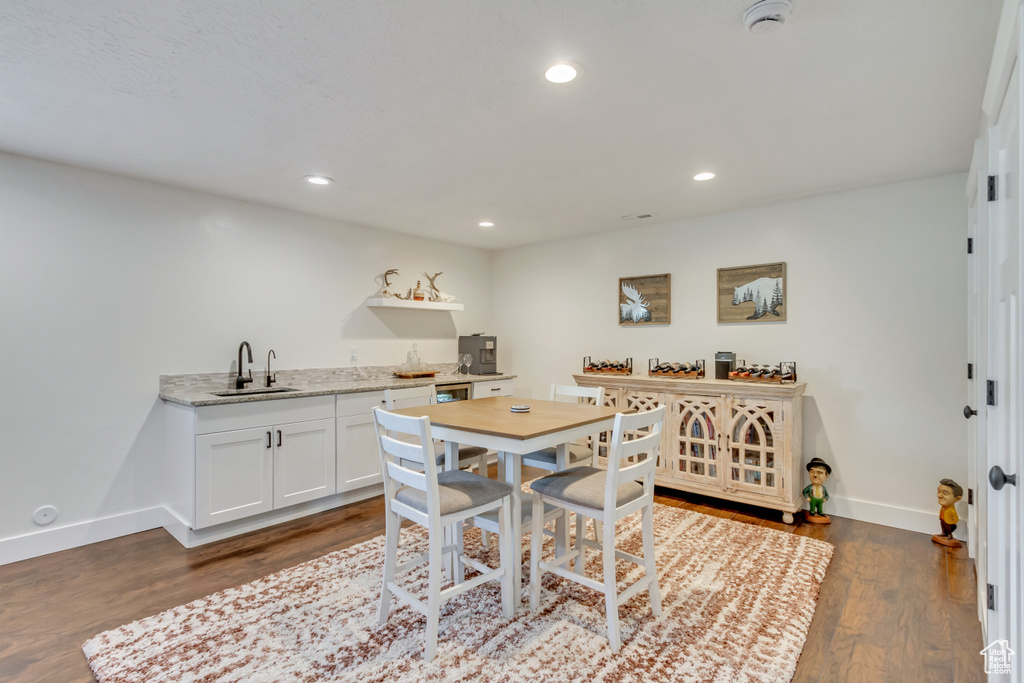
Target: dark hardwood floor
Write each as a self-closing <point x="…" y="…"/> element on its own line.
<point x="893" y="606"/>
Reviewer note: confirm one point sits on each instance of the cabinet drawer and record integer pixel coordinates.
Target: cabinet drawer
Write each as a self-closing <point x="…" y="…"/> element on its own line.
<point x="501" y="387"/>
<point x="359" y="404"/>
<point x="233" y="416"/>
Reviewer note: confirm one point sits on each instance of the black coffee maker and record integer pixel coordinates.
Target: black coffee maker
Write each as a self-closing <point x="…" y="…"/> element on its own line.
<point x="484" y="352"/>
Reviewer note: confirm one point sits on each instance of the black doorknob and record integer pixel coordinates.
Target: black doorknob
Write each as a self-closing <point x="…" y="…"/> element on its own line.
<point x="999" y="479"/>
<point x="968" y="411"/>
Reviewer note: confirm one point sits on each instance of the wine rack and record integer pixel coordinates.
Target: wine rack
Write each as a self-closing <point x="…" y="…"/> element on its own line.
<point x="693" y="370"/>
<point x="781" y="373"/>
<point x="608" y="367"/>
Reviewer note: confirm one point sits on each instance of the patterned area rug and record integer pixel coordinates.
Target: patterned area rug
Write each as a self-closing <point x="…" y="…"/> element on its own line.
<point x="737" y="598"/>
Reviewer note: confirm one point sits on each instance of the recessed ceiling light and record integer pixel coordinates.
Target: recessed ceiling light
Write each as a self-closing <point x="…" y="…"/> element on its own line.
<point x="485" y="224"/>
<point x="707" y="175"/>
<point x="318" y="180"/>
<point x="561" y="73"/>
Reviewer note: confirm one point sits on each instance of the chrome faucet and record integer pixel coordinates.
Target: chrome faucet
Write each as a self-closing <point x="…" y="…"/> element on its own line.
<point x="270" y="378"/>
<point x="240" y="381"/>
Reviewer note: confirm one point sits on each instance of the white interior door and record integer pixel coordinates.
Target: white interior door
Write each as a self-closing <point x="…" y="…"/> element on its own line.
<point x="977" y="353"/>
<point x="1003" y="378"/>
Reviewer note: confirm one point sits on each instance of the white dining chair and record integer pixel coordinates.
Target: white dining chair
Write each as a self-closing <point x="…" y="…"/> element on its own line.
<point x="469" y="456"/>
<point x="435" y="500"/>
<point x="578" y="453"/>
<point x="606" y="496"/>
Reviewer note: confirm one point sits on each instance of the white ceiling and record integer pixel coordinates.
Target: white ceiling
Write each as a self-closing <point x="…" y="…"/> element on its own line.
<point x="432" y="115"/>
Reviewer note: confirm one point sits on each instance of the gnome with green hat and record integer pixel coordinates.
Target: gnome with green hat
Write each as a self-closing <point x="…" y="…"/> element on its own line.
<point x="816" y="494"/>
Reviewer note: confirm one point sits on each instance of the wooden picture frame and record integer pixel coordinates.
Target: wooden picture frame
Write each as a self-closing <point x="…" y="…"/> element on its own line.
<point x="645" y="300"/>
<point x="752" y="294"/>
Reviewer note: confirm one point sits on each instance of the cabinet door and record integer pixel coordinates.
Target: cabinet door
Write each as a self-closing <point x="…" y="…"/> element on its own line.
<point x="234" y="475"/>
<point x="358" y="456"/>
<point x="692" y="451"/>
<point x="304" y="462"/>
<point x="755" y="449"/>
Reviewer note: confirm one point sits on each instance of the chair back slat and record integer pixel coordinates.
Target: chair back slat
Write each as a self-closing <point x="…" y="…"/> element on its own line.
<point x="639" y="456"/>
<point x="396" y="445"/>
<point x="575" y="392"/>
<point x="407" y="477"/>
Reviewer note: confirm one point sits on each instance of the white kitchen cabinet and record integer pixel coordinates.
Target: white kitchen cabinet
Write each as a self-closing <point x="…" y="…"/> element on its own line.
<point x="304" y="462"/>
<point x="498" y="387"/>
<point x="260" y="456"/>
<point x="235" y="476"/>
<point x="358" y="457"/>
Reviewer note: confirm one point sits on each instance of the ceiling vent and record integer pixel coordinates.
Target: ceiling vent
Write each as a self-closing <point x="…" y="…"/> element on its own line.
<point x="767" y="15"/>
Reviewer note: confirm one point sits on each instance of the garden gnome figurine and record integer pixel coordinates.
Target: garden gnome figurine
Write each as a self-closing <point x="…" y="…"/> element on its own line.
<point x="816" y="494"/>
<point x="949" y="493"/>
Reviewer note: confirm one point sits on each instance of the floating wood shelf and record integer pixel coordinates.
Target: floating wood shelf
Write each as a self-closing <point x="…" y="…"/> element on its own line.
<point x="377" y="302"/>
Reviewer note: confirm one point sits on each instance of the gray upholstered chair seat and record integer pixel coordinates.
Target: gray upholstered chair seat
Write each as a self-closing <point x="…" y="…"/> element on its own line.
<point x="466" y="454"/>
<point x="584" y="486"/>
<point x="577" y="452"/>
<point x="457" y="491"/>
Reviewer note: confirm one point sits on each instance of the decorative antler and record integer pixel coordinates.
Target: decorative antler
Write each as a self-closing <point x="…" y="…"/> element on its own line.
<point x="391" y="271"/>
<point x="431" y="280"/>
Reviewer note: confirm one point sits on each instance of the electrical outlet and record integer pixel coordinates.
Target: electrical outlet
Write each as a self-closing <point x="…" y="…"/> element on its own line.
<point x="353" y="354"/>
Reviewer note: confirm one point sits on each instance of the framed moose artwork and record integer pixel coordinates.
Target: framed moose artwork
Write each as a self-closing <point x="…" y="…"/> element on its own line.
<point x="645" y="300"/>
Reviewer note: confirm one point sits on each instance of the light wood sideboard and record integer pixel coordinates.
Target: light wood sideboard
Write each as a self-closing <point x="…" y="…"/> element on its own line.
<point x="735" y="440"/>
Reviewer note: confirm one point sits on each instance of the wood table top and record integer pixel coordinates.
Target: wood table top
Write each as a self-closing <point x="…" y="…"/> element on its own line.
<point x="493" y="415"/>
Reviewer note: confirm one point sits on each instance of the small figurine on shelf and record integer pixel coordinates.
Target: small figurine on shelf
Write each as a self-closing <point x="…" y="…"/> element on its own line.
<point x="816" y="494"/>
<point x="950" y="493"/>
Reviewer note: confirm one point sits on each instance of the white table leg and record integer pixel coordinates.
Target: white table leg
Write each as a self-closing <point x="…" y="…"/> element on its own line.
<point x="562" y="523"/>
<point x="512" y="463"/>
<point x="451" y="462"/>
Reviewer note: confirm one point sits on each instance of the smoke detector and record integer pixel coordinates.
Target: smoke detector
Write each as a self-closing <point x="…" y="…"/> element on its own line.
<point x="767" y="15"/>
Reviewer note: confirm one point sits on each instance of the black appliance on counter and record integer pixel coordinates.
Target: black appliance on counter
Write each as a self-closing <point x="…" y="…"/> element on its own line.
<point x="484" y="352"/>
<point x="725" y="362"/>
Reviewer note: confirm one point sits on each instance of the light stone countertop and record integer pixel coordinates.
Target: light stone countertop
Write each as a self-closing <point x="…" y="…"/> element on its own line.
<point x="198" y="389"/>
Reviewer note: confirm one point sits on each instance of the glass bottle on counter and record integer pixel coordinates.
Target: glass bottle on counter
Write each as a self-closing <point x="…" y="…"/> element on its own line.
<point x="418" y="294"/>
<point x="412" y="359"/>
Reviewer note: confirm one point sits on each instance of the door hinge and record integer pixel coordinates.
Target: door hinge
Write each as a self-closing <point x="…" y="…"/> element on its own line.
<point x="970" y="496"/>
<point x="970" y="371"/>
<point x="993" y="186"/>
<point x="970" y="245"/>
<point x="991" y="597"/>
<point x="990" y="392"/>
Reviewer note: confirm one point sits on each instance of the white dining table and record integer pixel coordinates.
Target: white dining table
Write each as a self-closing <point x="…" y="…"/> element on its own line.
<point x="490" y="423"/>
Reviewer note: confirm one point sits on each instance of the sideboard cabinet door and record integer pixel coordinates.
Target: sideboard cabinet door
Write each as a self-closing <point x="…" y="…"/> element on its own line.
<point x="755" y="447"/>
<point x="692" y="449"/>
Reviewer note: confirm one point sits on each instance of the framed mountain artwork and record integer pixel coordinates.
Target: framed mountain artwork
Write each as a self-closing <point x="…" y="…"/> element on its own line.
<point x="645" y="300"/>
<point x="749" y="294"/>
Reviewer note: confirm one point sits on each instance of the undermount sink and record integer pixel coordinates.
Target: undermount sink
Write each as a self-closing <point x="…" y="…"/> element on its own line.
<point x="254" y="392"/>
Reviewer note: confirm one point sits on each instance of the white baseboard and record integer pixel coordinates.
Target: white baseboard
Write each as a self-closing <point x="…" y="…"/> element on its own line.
<point x="190" y="538"/>
<point x="925" y="522"/>
<point x="49" y="541"/>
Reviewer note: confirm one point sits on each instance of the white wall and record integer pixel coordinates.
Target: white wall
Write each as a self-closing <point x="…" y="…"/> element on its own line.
<point x="876" y="323"/>
<point x="107" y="283"/>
